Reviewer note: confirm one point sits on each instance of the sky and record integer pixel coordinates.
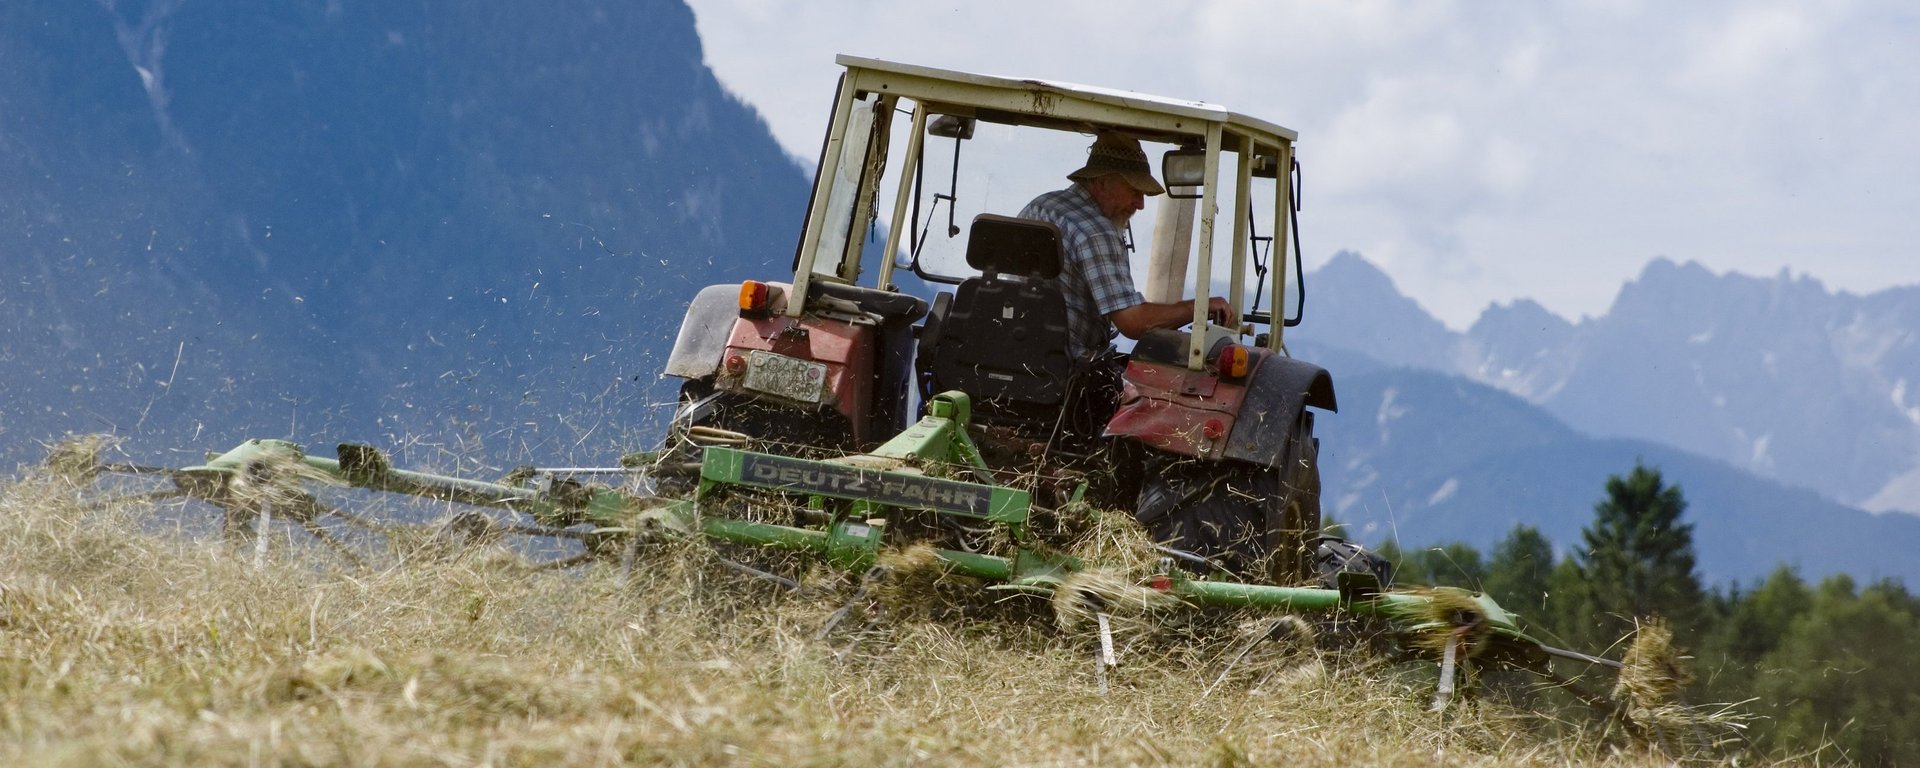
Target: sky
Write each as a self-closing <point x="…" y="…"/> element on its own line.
<point x="1479" y="152"/>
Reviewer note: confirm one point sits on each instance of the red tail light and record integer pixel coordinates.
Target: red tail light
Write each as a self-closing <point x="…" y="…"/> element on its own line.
<point x="755" y="297"/>
<point x="1234" y="361"/>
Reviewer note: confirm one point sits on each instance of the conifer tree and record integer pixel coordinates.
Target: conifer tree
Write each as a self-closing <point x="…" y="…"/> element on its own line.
<point x="1638" y="559"/>
<point x="1402" y="576"/>
<point x="1751" y="626"/>
<point x="1456" y="564"/>
<point x="1519" y="575"/>
<point x="1842" y="677"/>
<point x="1568" y="617"/>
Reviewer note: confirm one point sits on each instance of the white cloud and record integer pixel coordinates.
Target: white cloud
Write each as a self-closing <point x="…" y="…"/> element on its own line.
<point x="1754" y="43"/>
<point x="1479" y="153"/>
<point x="1399" y="134"/>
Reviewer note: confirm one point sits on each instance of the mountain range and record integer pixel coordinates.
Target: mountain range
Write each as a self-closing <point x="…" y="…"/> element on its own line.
<point x="1771" y="402"/>
<point x="1777" y="376"/>
<point x="471" y="228"/>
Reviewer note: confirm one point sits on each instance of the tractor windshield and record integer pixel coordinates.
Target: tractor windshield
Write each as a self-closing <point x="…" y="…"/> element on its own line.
<point x="1002" y="167"/>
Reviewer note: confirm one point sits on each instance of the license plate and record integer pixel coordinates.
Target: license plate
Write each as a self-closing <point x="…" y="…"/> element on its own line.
<point x="787" y="377"/>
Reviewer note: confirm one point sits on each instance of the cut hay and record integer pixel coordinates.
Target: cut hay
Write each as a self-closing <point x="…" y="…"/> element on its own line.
<point x="1444" y="615"/>
<point x="1114" y="540"/>
<point x="128" y="645"/>
<point x="76" y="459"/>
<point x="1653" y="673"/>
<point x="906" y="581"/>
<point x="1128" y="603"/>
<point x="1653" y="677"/>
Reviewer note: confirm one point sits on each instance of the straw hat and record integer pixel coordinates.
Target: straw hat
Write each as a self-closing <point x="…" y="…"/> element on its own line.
<point x="1119" y="153"/>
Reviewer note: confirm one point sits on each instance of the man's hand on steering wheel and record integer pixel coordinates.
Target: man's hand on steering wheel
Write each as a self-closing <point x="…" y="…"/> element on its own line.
<point x="1221" y="313"/>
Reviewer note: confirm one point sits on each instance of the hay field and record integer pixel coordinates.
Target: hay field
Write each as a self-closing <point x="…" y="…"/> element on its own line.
<point x="121" y="644"/>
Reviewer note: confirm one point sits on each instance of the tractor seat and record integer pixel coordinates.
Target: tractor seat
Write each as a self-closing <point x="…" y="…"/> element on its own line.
<point x="891" y="306"/>
<point x="1002" y="337"/>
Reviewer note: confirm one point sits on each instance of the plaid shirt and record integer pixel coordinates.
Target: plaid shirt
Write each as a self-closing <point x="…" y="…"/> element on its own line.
<point x="1096" y="279"/>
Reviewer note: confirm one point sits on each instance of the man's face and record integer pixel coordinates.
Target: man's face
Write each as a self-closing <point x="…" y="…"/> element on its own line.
<point x="1117" y="199"/>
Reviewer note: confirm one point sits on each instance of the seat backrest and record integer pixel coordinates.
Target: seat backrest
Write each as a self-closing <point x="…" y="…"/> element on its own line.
<point x="1006" y="245"/>
<point x="1003" y="341"/>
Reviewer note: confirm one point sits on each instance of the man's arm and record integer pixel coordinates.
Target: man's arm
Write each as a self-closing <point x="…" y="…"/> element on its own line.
<point x="1134" y="322"/>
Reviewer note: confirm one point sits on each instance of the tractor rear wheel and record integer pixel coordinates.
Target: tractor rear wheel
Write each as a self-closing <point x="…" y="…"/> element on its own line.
<point x="1253" y="521"/>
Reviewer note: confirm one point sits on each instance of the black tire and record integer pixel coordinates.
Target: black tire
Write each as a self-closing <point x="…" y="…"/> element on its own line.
<point x="1297" y="524"/>
<point x="1254" y="521"/>
<point x="1334" y="556"/>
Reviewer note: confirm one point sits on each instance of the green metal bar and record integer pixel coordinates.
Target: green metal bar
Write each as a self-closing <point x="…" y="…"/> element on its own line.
<point x="1230" y="593"/>
<point x="765" y="534"/>
<point x="986" y="567"/>
<point x="1238" y="594"/>
<point x="1413" y="611"/>
<point x="852" y="545"/>
<point x="599" y="505"/>
<point x="940" y="436"/>
<point x="957" y="408"/>
<point x="731" y="466"/>
<point x="265" y="454"/>
<point x="475" y="492"/>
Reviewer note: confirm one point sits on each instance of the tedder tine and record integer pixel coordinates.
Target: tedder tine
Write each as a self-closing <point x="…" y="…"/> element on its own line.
<point x="326" y="537"/>
<point x="1449" y="661"/>
<point x="1578" y="656"/>
<point x="163" y="494"/>
<point x="561" y="565"/>
<point x="629" y="557"/>
<point x="546" y="530"/>
<point x="749" y="570"/>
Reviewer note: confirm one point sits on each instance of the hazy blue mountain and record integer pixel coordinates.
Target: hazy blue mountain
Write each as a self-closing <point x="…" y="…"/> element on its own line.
<point x="1425" y="458"/>
<point x="1777" y="376"/>
<point x="1351" y="300"/>
<point x="461" y="225"/>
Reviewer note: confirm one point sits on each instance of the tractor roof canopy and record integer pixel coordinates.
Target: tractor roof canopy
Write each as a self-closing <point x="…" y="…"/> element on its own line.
<point x="1060" y="105"/>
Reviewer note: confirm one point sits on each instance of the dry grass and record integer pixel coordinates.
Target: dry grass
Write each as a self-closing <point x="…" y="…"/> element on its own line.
<point x="122" y="646"/>
<point x="1650" y="687"/>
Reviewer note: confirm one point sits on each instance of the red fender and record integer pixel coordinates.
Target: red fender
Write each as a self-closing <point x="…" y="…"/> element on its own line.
<point x="1190" y="413"/>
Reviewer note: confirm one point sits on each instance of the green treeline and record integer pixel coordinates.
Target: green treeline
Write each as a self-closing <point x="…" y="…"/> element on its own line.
<point x="1823" y="670"/>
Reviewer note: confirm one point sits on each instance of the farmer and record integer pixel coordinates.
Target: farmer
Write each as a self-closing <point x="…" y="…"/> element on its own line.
<point x="1091" y="215"/>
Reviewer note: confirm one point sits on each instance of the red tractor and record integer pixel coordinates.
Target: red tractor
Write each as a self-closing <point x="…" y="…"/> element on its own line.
<point x="1208" y="436"/>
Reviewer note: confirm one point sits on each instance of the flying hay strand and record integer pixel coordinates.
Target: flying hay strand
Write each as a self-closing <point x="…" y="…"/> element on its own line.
<point x="1444" y="614"/>
<point x="1653" y="677"/>
<point x="1104" y="590"/>
<point x="1114" y="540"/>
<point x="76" y="459"/>
<point x="908" y="580"/>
